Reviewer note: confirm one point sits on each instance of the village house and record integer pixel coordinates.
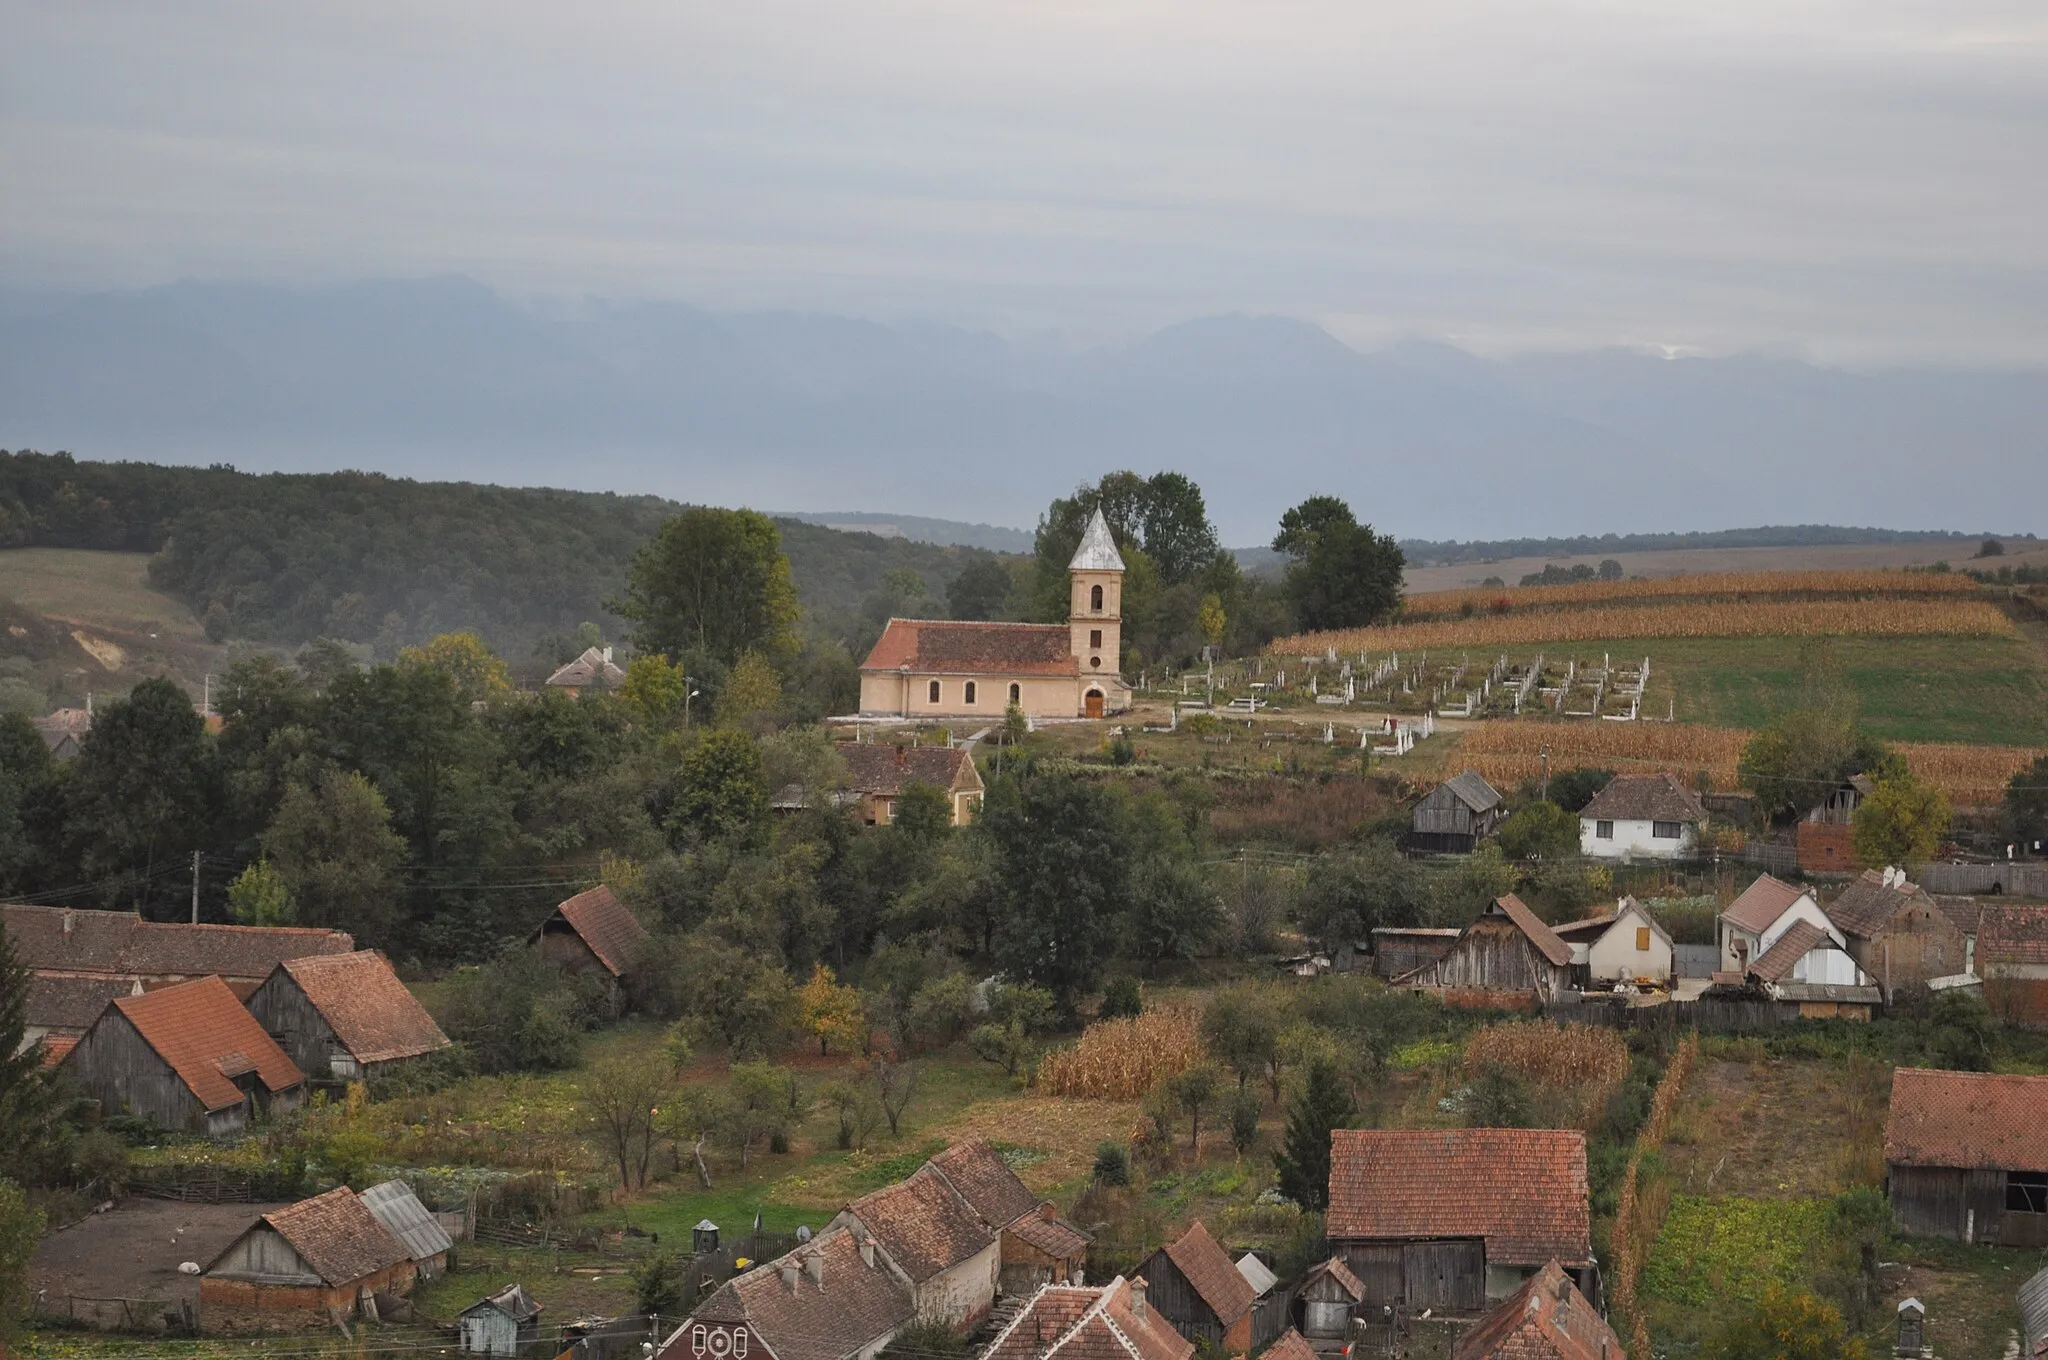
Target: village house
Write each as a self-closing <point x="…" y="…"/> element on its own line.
<point x="1038" y="1246"/>
<point x="592" y="670"/>
<point x="187" y="1058"/>
<point x="1403" y="949"/>
<point x="837" y="1297"/>
<point x="69" y="942"/>
<point x="314" y="1263"/>
<point x="1451" y="1219"/>
<point x="344" y="1017"/>
<point x="1329" y="1295"/>
<point x="1456" y="815"/>
<point x="879" y="773"/>
<point x="1507" y="958"/>
<point x="1966" y="1156"/>
<point x="1546" y="1319"/>
<point x="951" y="1255"/>
<point x="1764" y="911"/>
<point x="1626" y="945"/>
<point x="1193" y="1285"/>
<point x="1641" y="816"/>
<point x="2009" y="949"/>
<point x="1114" y="1321"/>
<point x="500" y="1323"/>
<point x="939" y="668"/>
<point x="63" y="730"/>
<point x="593" y="934"/>
<point x="1898" y="934"/>
<point x="1810" y="969"/>
<point x="426" y="1242"/>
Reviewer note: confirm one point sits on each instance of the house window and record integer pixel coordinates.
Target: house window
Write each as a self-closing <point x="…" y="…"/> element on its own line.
<point x="970" y="691"/>
<point x="1016" y="694"/>
<point x="1603" y="831"/>
<point x="2026" y="1192"/>
<point x="1095" y="638"/>
<point x="1642" y="939"/>
<point x="934" y="691"/>
<point x="1095" y="598"/>
<point x="1664" y="831"/>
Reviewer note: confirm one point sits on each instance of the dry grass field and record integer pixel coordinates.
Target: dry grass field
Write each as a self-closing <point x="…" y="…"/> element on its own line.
<point x="107" y="590"/>
<point x="1693" y="561"/>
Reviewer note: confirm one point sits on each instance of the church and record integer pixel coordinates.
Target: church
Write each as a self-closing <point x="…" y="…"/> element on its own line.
<point x="942" y="668"/>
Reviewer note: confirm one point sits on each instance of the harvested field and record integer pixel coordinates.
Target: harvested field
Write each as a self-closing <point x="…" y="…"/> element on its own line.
<point x="1719" y="618"/>
<point x="1721" y="561"/>
<point x="1743" y="586"/>
<point x="1059" y="1136"/>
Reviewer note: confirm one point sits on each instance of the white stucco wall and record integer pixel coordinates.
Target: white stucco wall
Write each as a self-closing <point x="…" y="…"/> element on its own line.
<point x="965" y="1291"/>
<point x="1634" y="840"/>
<point x="1614" y="956"/>
<point x="1803" y="909"/>
<point x="1831" y="966"/>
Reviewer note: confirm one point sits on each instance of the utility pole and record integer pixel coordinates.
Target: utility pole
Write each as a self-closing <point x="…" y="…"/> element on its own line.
<point x="1546" y="775"/>
<point x="195" y="887"/>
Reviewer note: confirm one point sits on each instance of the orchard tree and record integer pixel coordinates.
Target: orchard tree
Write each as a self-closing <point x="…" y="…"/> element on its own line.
<point x="713" y="584"/>
<point x="1901" y="822"/>
<point x="1540" y="831"/>
<point x="830" y="1012"/>
<point x="1342" y="574"/>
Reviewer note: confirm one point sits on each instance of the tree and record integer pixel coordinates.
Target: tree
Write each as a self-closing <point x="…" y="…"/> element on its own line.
<point x="259" y="897"/>
<point x="741" y="999"/>
<point x="1609" y="570"/>
<point x="1573" y="789"/>
<point x="1245" y="1108"/>
<point x="751" y="696"/>
<point x="1540" y="831"/>
<point x="859" y="1111"/>
<point x="1211" y="620"/>
<point x="2026" y="803"/>
<point x="1991" y="547"/>
<point x="1062" y="853"/>
<point x="1497" y="1099"/>
<point x="895" y="1085"/>
<point x="1195" y="1089"/>
<point x="1175" y="911"/>
<point x="658" y="1286"/>
<point x="21" y="1227"/>
<point x="831" y="1012"/>
<point x="923" y="812"/>
<point x="655" y="689"/>
<point x="1344" y="897"/>
<point x="1112" y="1166"/>
<point x="1321" y="1106"/>
<point x="1787" y="1326"/>
<point x="142" y="789"/>
<point x="714" y="583"/>
<point x="1901" y="822"/>
<point x="979" y="591"/>
<point x="1241" y="1026"/>
<point x="622" y="1098"/>
<point x="721" y="787"/>
<point x="1343" y="575"/>
<point x="333" y="848"/>
<point x="27" y="792"/>
<point x="1122" y="999"/>
<point x="478" y="672"/>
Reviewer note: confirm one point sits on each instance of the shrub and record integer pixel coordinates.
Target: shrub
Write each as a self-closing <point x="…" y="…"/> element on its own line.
<point x="1244" y="1121"/>
<point x="1112" y="1165"/>
<point x="1122" y="999"/>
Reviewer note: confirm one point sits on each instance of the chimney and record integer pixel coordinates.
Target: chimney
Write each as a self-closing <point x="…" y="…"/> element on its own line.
<point x="867" y="1252"/>
<point x="1046" y="1211"/>
<point x="1138" y="1288"/>
<point x="789" y="1272"/>
<point x="814" y="1266"/>
<point x="607" y="656"/>
<point x="70" y="921"/>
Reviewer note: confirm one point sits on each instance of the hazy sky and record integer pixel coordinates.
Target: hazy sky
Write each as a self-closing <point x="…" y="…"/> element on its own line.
<point x="1857" y="182"/>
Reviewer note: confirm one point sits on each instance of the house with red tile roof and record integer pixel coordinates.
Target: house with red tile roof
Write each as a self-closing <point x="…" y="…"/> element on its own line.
<point x="1194" y="1285"/>
<point x="2008" y="947"/>
<point x="951" y="1254"/>
<point x="1765" y="910"/>
<point x="1114" y="1321"/>
<point x="1546" y="1319"/>
<point x="837" y="1297"/>
<point x="878" y="773"/>
<point x="1641" y="816"/>
<point x="595" y="669"/>
<point x="593" y="934"/>
<point x="1505" y="958"/>
<point x="1966" y="1156"/>
<point x="1453" y="1218"/>
<point x="188" y="1057"/>
<point x="1898" y="933"/>
<point x="1038" y="1246"/>
<point x="344" y="1017"/>
<point x="308" y="1264"/>
<point x="66" y="942"/>
<point x="945" y="668"/>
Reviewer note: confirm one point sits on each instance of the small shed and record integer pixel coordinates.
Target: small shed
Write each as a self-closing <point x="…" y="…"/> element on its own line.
<point x="408" y="1220"/>
<point x="593" y="934"/>
<point x="1456" y="815"/>
<point x="1195" y="1287"/>
<point x="1403" y="949"/>
<point x="497" y="1324"/>
<point x="2033" y="1302"/>
<point x="343" y="1017"/>
<point x="313" y="1262"/>
<point x="1329" y="1295"/>
<point x="1966" y="1156"/>
<point x="1633" y="947"/>
<point x="1506" y="958"/>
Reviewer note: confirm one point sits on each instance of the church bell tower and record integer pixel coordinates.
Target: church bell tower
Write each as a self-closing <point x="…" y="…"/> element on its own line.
<point x="1096" y="610"/>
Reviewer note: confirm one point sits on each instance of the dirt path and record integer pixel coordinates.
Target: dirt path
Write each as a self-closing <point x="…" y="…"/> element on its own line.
<point x="134" y="1251"/>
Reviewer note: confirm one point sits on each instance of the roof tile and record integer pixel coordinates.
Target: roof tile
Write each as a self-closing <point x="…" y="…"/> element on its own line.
<point x="1761" y="904"/>
<point x="945" y="647"/>
<point x="376" y="1017"/>
<point x="1866" y="904"/>
<point x="1210" y="1270"/>
<point x="854" y="1305"/>
<point x="978" y="1173"/>
<point x="1522" y="1190"/>
<point x="338" y="1236"/>
<point x="924" y="1224"/>
<point x="1645" y="798"/>
<point x="1776" y="963"/>
<point x="1967" y="1119"/>
<point x="1547" y="1318"/>
<point x="1076" y="1322"/>
<point x="613" y="933"/>
<point x="886" y="768"/>
<point x="203" y="1033"/>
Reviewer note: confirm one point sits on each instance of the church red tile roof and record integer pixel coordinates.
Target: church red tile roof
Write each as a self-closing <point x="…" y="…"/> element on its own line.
<point x="946" y="647"/>
<point x="1523" y="1190"/>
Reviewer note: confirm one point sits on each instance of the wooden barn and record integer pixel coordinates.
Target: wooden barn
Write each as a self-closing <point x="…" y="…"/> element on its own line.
<point x="1403" y="949"/>
<point x="408" y="1220"/>
<point x="500" y="1323"/>
<point x="316" y="1262"/>
<point x="1193" y="1284"/>
<point x="1506" y="958"/>
<point x="1329" y="1297"/>
<point x="344" y="1017"/>
<point x="1547" y="1316"/>
<point x="1451" y="1219"/>
<point x="188" y="1058"/>
<point x="1966" y="1156"/>
<point x="65" y="942"/>
<point x="593" y="934"/>
<point x="1456" y="815"/>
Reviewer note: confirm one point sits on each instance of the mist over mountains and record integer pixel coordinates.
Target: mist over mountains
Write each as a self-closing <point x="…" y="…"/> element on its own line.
<point x="442" y="378"/>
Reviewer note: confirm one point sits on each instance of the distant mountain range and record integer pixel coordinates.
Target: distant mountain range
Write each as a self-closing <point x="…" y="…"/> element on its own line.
<point x="442" y="378"/>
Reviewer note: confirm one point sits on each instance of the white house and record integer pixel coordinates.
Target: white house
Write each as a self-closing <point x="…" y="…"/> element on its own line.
<point x="1763" y="913"/>
<point x="1641" y="816"/>
<point x="1808" y="954"/>
<point x="1633" y="948"/>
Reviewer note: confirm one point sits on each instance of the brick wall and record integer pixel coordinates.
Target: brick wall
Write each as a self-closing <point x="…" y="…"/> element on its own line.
<point x="1825" y="849"/>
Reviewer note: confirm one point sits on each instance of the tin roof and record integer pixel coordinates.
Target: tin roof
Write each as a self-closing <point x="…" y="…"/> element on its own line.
<point x="1098" y="548"/>
<point x="1473" y="791"/>
<point x="401" y="1212"/>
<point x="513" y="1301"/>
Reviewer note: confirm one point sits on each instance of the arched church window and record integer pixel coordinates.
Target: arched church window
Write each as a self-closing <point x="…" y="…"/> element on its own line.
<point x="935" y="691"/>
<point x="970" y="691"/>
<point x="1016" y="694"/>
<point x="1095" y="598"/>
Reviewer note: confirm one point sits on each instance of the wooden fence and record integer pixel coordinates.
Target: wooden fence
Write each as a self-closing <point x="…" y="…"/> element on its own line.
<point x="204" y="1185"/>
<point x="1709" y="1015"/>
<point x="2009" y="879"/>
<point x="1272" y="1315"/>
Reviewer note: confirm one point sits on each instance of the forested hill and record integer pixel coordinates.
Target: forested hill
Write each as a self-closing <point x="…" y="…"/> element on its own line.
<point x="287" y="557"/>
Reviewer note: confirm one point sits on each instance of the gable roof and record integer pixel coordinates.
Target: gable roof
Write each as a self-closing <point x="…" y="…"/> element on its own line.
<point x="1968" y="1120"/>
<point x="1337" y="1270"/>
<point x="1088" y="1322"/>
<point x="853" y="1306"/>
<point x="1256" y="1273"/>
<point x="513" y="1301"/>
<point x="1292" y="1345"/>
<point x="1761" y="904"/>
<point x="594" y="667"/>
<point x="947" y="647"/>
<point x="1867" y="903"/>
<point x="886" y="769"/>
<point x="1547" y="1318"/>
<point x="337" y="1235"/>
<point x="1542" y="936"/>
<point x="923" y="1223"/>
<point x="1644" y="798"/>
<point x="64" y="939"/>
<point x="979" y="1175"/>
<point x="376" y="1017"/>
<point x="1800" y="938"/>
<point x="203" y="1033"/>
<point x="604" y="924"/>
<point x="1210" y="1272"/>
<point x="1522" y="1190"/>
<point x="1049" y="1233"/>
<point x="2010" y="934"/>
<point x="1473" y="791"/>
<point x="402" y="1214"/>
<point x="1591" y="928"/>
<point x="72" y="1002"/>
<point x="1098" y="547"/>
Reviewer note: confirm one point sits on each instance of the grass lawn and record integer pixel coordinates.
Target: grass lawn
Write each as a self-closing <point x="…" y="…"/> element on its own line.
<point x="110" y="589"/>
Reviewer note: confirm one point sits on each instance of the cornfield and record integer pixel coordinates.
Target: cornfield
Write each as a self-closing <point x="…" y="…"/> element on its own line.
<point x="1546" y="1053"/>
<point x="1747" y="586"/>
<point x="1123" y="1059"/>
<point x="1698" y="619"/>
